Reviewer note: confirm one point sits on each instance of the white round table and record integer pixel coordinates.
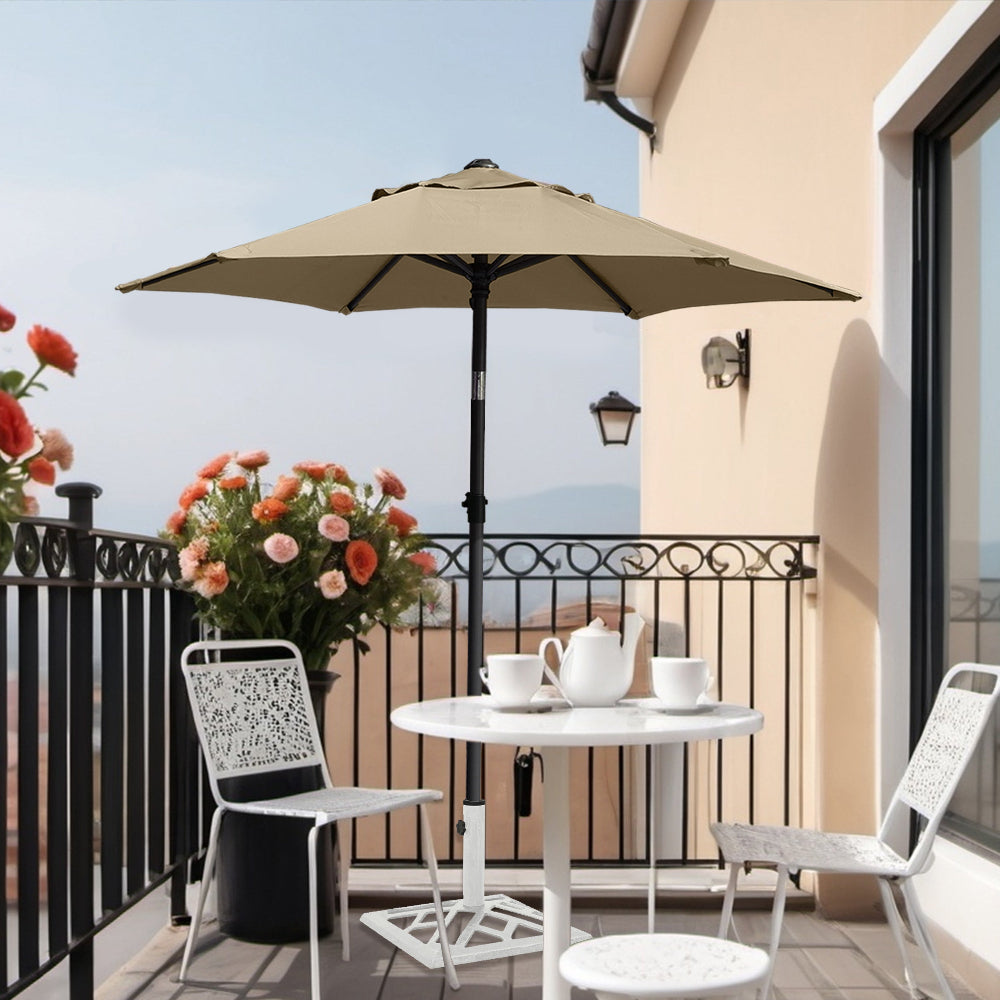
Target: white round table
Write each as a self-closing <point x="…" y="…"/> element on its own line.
<point x="632" y="722"/>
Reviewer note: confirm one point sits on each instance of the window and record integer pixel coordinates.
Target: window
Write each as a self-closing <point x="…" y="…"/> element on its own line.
<point x="956" y="417"/>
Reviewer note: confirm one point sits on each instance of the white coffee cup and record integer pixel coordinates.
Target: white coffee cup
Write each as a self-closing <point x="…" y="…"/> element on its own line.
<point x="679" y="682"/>
<point x="512" y="677"/>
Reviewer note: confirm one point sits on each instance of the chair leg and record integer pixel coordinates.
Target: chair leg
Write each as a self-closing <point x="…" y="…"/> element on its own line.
<point x="313" y="912"/>
<point x="432" y="868"/>
<point x="896" y="926"/>
<point x="206" y="879"/>
<point x="727" y="903"/>
<point x="343" y="870"/>
<point x="921" y="934"/>
<point x="777" y="916"/>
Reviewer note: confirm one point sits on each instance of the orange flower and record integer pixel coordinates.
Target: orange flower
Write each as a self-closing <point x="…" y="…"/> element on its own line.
<point x="212" y="469"/>
<point x="426" y="562"/>
<point x="339" y="473"/>
<point x="52" y="348"/>
<point x="286" y="487"/>
<point x="176" y="522"/>
<point x="269" y="510"/>
<point x="193" y="493"/>
<point x="16" y="434"/>
<point x="212" y="580"/>
<point x="361" y="561"/>
<point x="403" y="523"/>
<point x="314" y="470"/>
<point x="341" y="502"/>
<point x="7" y="320"/>
<point x="390" y="484"/>
<point x="252" y="459"/>
<point x="42" y="471"/>
<point x="233" y="483"/>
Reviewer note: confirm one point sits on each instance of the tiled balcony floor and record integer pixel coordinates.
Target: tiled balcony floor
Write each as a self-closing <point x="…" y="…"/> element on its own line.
<point x="819" y="960"/>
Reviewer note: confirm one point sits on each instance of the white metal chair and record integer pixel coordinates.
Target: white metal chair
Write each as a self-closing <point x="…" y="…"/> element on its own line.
<point x="658" y="966"/>
<point x="255" y="716"/>
<point x="947" y="743"/>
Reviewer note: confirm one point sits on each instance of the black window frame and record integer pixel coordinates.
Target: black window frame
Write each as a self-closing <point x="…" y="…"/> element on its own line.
<point x="931" y="352"/>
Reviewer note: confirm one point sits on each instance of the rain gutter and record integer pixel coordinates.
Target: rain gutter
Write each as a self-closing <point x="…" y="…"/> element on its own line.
<point x="627" y="52"/>
<point x="610" y="25"/>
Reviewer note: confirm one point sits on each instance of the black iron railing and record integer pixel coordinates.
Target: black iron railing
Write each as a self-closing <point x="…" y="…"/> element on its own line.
<point x="104" y="800"/>
<point x="99" y="805"/>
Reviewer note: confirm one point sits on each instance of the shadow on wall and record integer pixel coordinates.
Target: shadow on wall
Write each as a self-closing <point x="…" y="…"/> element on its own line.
<point x="846" y="506"/>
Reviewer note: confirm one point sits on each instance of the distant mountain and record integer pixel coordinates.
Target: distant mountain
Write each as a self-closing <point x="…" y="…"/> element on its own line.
<point x="598" y="509"/>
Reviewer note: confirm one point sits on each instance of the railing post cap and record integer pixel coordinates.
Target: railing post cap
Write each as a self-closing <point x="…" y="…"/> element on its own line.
<point x="74" y="491"/>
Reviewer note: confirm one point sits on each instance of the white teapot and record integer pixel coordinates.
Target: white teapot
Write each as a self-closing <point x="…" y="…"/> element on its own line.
<point x="596" y="668"/>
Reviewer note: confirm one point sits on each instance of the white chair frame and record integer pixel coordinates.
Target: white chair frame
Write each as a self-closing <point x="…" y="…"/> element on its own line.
<point x="220" y="691"/>
<point x="949" y="738"/>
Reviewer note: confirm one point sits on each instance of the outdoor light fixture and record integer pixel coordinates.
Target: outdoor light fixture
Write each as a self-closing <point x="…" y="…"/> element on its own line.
<point x="614" y="415"/>
<point x="723" y="362"/>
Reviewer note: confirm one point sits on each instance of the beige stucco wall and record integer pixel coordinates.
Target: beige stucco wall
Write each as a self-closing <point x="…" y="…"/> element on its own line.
<point x="764" y="117"/>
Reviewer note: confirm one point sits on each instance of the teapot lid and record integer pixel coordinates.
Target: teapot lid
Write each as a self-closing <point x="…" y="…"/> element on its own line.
<point x="595" y="628"/>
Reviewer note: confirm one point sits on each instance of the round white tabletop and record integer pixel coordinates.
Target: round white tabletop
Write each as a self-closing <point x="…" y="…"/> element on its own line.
<point x="632" y="722"/>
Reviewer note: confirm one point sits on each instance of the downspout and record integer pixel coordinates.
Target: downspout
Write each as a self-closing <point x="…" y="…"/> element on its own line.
<point x="609" y="28"/>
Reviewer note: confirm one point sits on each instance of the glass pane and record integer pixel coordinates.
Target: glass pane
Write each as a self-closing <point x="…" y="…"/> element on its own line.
<point x="973" y="494"/>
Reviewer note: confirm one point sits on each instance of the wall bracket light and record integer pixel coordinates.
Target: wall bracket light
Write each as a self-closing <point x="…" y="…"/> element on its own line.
<point x="723" y="362"/>
<point x="614" y="415"/>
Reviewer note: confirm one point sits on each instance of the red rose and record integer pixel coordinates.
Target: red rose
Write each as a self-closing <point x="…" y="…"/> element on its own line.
<point x="269" y="510"/>
<point x="52" y="348"/>
<point x="42" y="471"/>
<point x="403" y="523"/>
<point x="7" y="320"/>
<point x="193" y="493"/>
<point x="361" y="561"/>
<point x="16" y="433"/>
<point x="426" y="562"/>
<point x="212" y="469"/>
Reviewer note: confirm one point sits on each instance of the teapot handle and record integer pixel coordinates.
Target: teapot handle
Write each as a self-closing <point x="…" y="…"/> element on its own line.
<point x="549" y="672"/>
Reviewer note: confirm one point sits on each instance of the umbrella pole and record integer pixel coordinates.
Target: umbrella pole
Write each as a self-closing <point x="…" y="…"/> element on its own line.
<point x="474" y="806"/>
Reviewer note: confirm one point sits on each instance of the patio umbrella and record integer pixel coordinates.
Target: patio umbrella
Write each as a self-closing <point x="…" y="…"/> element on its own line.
<point x="480" y="236"/>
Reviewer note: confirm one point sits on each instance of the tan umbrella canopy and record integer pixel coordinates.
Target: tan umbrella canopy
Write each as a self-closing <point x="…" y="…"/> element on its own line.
<point x="484" y="234"/>
<point x="547" y="248"/>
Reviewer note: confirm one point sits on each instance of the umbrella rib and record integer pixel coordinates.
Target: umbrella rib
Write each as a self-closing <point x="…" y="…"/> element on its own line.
<point x="522" y="262"/>
<point x="383" y="271"/>
<point x="452" y="264"/>
<point x="602" y="284"/>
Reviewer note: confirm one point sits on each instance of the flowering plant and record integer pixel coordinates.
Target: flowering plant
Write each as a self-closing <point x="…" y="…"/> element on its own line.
<point x="27" y="454"/>
<point x="314" y="558"/>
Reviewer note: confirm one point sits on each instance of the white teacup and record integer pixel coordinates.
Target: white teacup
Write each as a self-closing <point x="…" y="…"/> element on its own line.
<point x="679" y="682"/>
<point x="512" y="677"/>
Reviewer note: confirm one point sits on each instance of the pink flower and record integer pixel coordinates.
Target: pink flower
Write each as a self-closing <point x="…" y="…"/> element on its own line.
<point x="332" y="584"/>
<point x="191" y="558"/>
<point x="390" y="484"/>
<point x="212" y="580"/>
<point x="252" y="459"/>
<point x="335" y="528"/>
<point x="56" y="448"/>
<point x="281" y="548"/>
<point x="30" y="505"/>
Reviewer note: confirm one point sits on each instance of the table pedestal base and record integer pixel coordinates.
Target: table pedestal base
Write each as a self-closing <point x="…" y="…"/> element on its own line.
<point x="500" y="928"/>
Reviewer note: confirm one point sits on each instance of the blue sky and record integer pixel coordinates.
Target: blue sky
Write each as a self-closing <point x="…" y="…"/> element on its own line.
<point x="138" y="136"/>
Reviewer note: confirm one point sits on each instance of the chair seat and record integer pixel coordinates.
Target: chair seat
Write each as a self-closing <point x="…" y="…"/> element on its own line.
<point x="330" y="804"/>
<point x="663" y="965"/>
<point x="807" y="849"/>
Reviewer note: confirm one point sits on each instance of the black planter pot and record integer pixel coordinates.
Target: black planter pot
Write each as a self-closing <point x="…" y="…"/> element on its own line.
<point x="263" y="864"/>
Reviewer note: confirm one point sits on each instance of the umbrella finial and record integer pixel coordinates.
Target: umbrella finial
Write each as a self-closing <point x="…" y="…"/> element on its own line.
<point x="481" y="163"/>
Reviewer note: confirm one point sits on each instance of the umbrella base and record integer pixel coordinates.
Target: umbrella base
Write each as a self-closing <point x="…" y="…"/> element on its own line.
<point x="500" y="928"/>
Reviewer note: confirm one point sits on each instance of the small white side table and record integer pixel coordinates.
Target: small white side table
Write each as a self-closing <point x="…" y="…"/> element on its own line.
<point x="630" y="723"/>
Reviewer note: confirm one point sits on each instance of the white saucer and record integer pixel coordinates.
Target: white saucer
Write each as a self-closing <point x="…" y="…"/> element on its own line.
<point x="701" y="709"/>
